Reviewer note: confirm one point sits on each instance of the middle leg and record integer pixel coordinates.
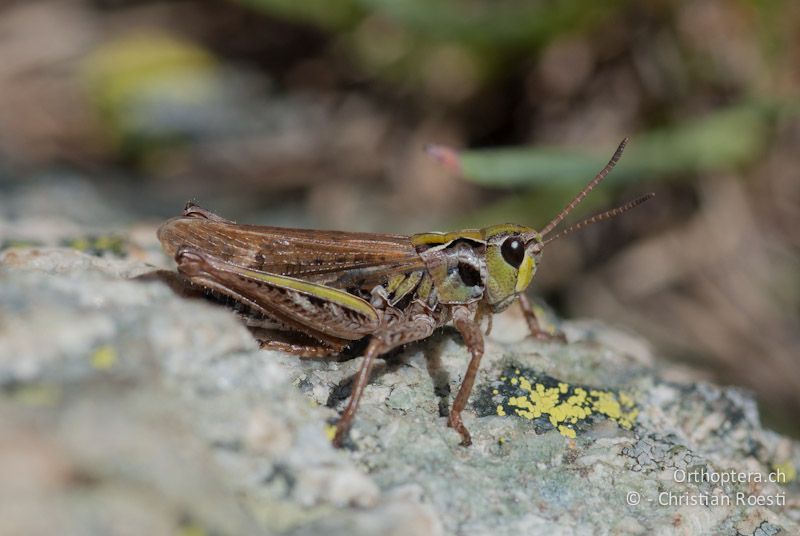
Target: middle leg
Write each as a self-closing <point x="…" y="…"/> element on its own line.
<point x="471" y="333"/>
<point x="533" y="323"/>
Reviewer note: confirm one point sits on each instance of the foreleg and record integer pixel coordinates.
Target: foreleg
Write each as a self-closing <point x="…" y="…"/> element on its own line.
<point x="533" y="323"/>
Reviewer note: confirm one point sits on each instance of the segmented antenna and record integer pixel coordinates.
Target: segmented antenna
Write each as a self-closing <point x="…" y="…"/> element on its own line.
<point x="589" y="187"/>
<point x="607" y="215"/>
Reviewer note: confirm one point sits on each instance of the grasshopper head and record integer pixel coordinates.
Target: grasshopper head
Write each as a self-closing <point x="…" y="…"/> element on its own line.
<point x="513" y="251"/>
<point x="512" y="255"/>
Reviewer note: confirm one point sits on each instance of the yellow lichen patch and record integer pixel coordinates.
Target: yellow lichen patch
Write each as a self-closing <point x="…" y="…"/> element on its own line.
<point x="566" y="431"/>
<point x="97" y="245"/>
<point x="104" y="357"/>
<point x="558" y="404"/>
<point x="192" y="530"/>
<point x="330" y="431"/>
<point x="18" y="243"/>
<point x="81" y="244"/>
<point x="37" y="395"/>
<point x="525" y="384"/>
<point x="785" y="472"/>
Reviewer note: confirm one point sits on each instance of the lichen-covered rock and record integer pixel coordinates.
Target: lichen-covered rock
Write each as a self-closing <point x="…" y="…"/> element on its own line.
<point x="123" y="405"/>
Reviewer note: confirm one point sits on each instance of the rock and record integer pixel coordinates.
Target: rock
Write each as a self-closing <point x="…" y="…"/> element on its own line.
<point x="125" y="405"/>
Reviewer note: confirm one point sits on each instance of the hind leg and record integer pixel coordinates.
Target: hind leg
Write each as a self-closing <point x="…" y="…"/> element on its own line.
<point x="398" y="330"/>
<point x="302" y="350"/>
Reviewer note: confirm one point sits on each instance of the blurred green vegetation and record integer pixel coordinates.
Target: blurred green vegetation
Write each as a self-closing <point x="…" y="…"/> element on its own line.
<point x="133" y="80"/>
<point x="726" y="139"/>
<point x="403" y="40"/>
<point x="488" y="25"/>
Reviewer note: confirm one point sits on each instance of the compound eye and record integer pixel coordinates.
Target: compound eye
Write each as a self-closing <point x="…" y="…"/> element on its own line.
<point x="513" y="251"/>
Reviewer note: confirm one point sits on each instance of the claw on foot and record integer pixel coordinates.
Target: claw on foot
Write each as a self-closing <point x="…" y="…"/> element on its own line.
<point x="556" y="336"/>
<point x="455" y="422"/>
<point x="339" y="436"/>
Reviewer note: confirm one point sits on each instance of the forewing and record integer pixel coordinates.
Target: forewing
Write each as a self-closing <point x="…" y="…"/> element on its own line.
<point x="333" y="258"/>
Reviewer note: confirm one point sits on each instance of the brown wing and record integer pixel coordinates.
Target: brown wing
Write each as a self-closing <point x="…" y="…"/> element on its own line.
<point x="335" y="258"/>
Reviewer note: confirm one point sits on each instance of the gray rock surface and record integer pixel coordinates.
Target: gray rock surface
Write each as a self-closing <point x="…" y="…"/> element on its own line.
<point x="125" y="409"/>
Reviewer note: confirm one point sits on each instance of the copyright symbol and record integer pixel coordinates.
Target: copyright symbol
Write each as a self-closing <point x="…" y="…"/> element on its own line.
<point x="633" y="498"/>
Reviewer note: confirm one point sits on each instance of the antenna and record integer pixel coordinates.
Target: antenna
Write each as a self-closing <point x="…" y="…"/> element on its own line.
<point x="607" y="215"/>
<point x="589" y="187"/>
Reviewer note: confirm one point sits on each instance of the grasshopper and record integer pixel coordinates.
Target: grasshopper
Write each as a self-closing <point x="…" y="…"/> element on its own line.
<point x="339" y="289"/>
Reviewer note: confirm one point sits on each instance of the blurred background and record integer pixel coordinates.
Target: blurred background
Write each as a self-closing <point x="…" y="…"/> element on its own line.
<point x="315" y="113"/>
